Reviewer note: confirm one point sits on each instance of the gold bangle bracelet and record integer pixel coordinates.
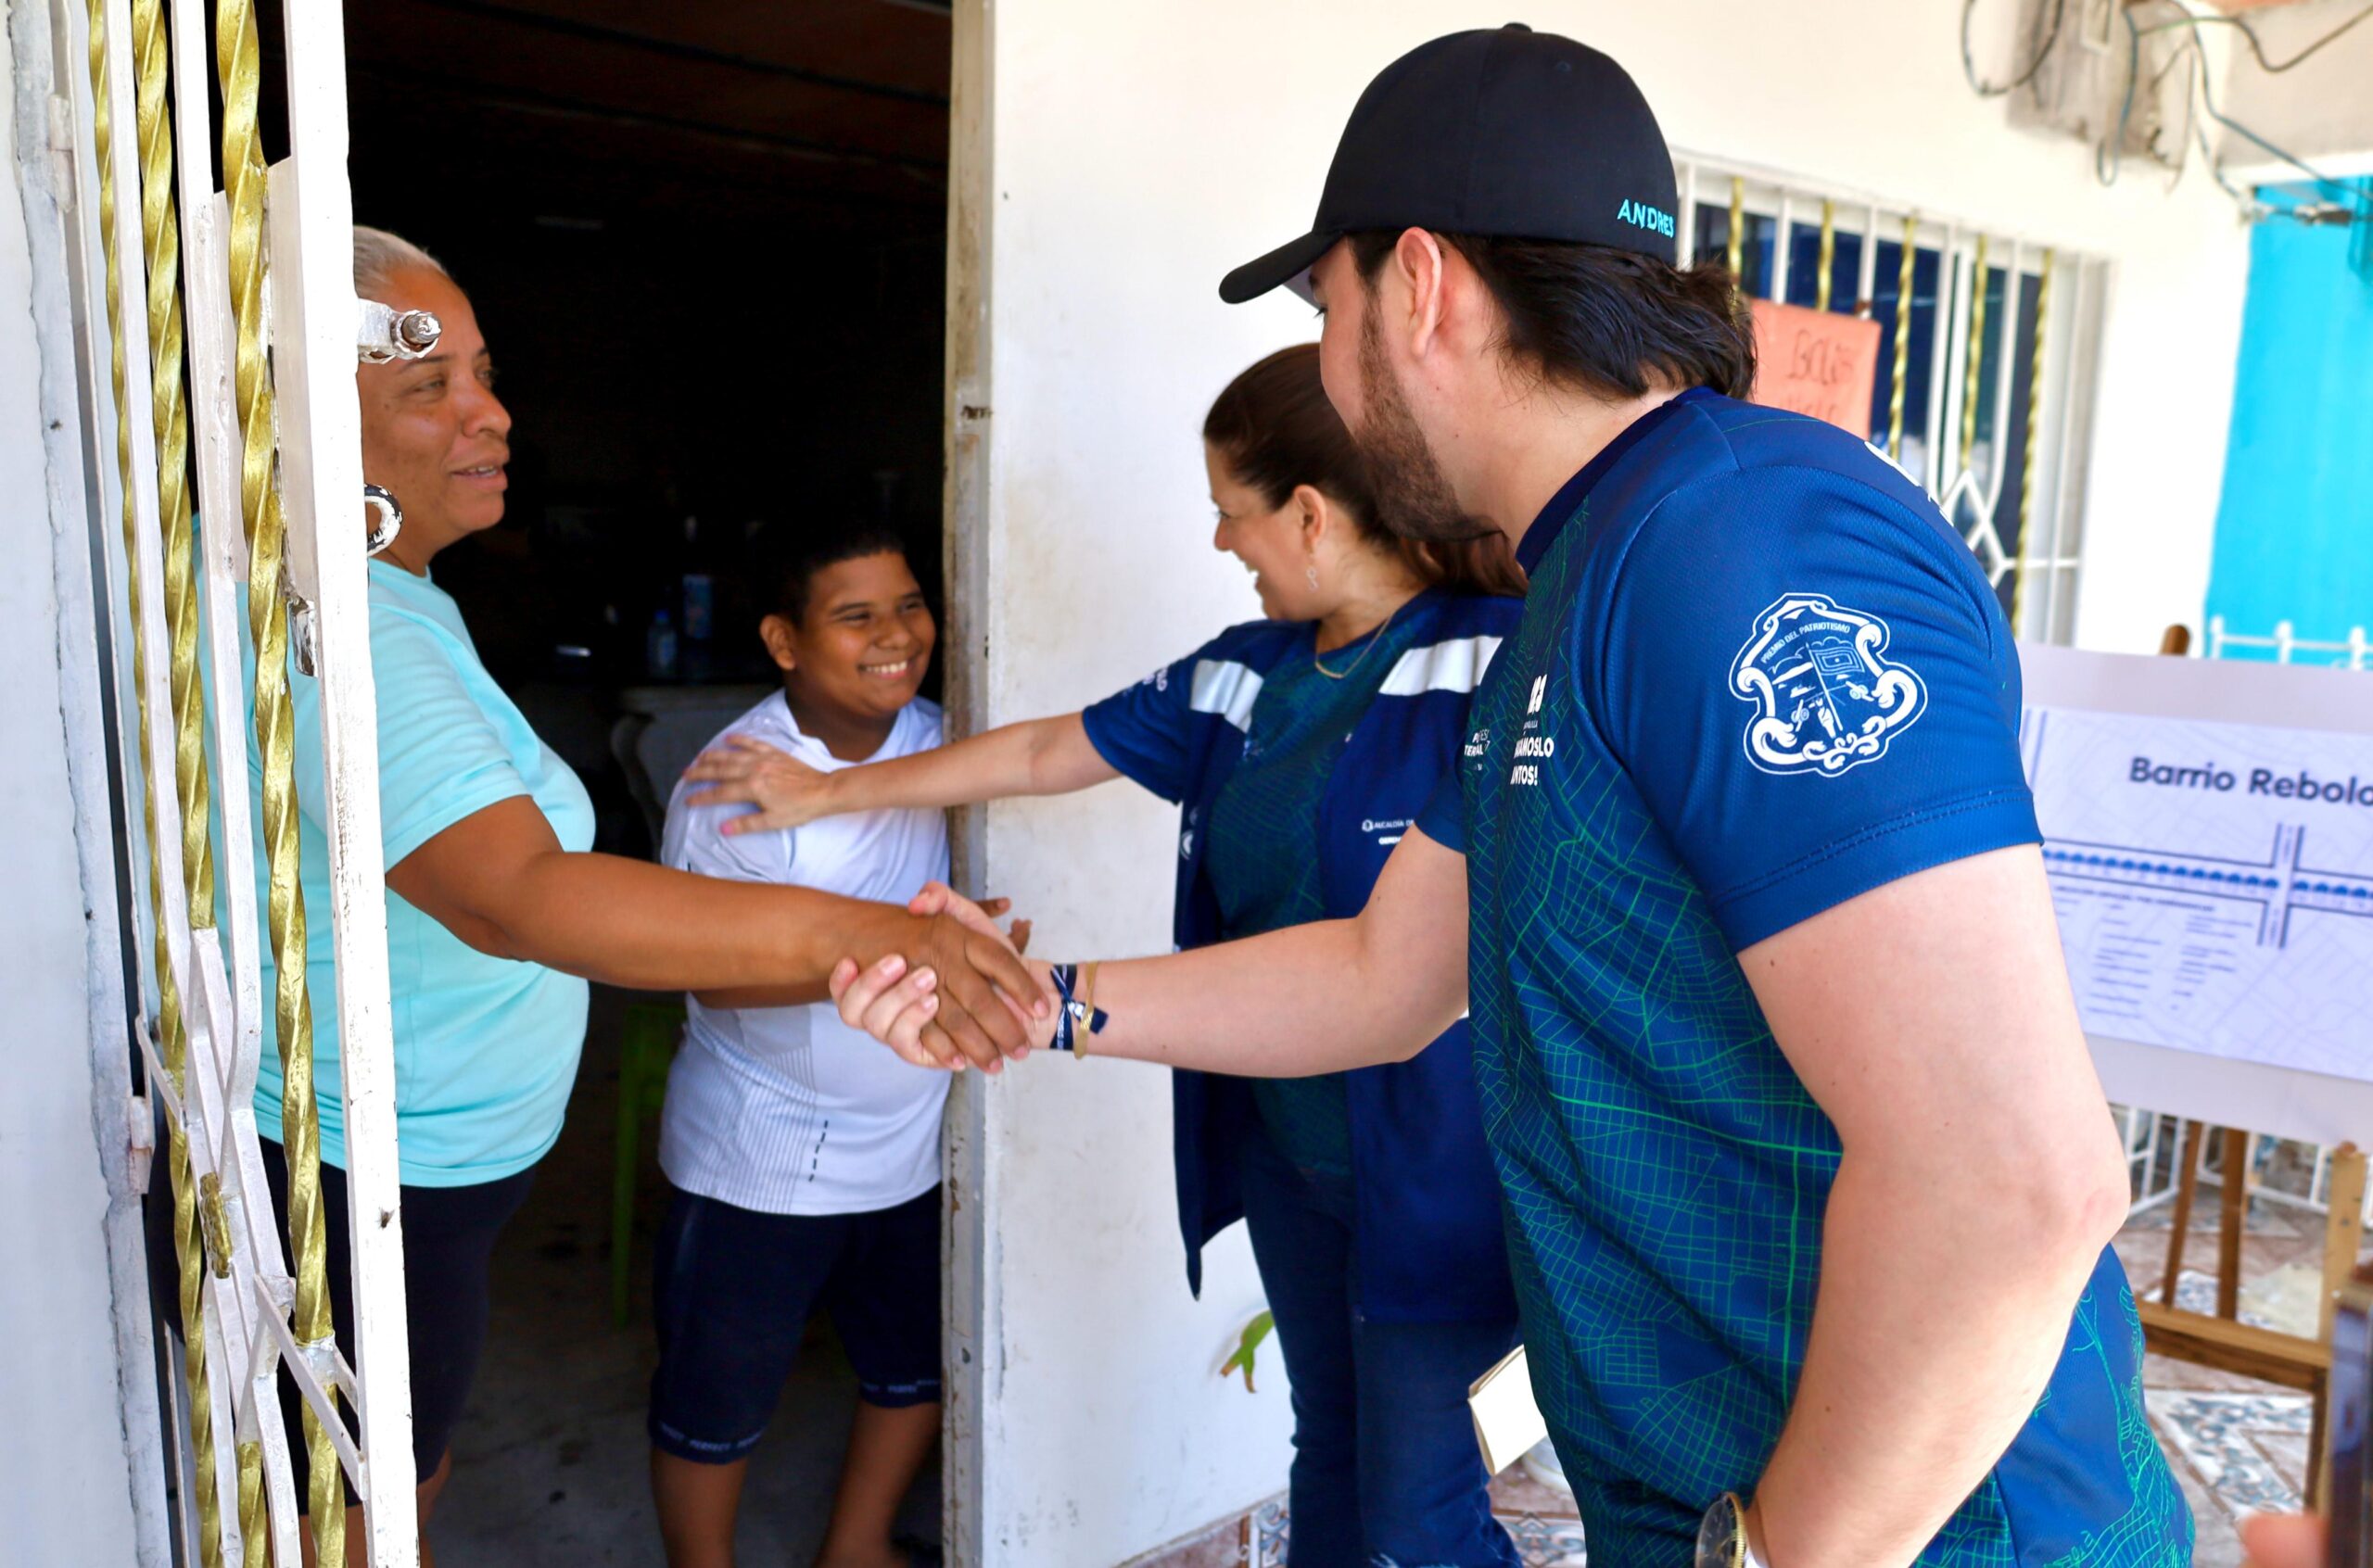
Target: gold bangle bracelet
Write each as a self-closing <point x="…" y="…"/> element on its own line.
<point x="1088" y="1006"/>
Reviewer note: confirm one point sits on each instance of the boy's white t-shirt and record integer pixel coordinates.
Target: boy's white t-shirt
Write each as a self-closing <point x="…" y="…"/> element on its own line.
<point x="788" y="1110"/>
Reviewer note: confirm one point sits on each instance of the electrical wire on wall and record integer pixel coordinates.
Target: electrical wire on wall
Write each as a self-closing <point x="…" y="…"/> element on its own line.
<point x="2200" y="102"/>
<point x="2336" y="191"/>
<point x="2257" y="46"/>
<point x="2109" y="153"/>
<point x="2034" y="63"/>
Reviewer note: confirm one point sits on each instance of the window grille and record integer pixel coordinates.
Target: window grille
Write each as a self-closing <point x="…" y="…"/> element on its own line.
<point x="1988" y="345"/>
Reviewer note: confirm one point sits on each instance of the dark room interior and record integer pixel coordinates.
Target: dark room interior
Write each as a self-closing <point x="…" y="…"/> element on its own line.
<point x="705" y="245"/>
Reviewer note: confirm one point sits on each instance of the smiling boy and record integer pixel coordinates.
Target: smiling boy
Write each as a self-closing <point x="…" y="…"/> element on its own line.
<point x="804" y="1159"/>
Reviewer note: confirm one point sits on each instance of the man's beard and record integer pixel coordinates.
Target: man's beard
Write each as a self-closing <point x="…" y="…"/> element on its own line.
<point x="1413" y="498"/>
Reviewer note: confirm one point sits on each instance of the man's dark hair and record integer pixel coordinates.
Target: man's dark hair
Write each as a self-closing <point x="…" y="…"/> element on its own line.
<point x="1603" y="320"/>
<point x="785" y="558"/>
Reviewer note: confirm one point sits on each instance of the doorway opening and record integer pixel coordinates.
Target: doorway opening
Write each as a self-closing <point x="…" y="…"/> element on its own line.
<point x="706" y="246"/>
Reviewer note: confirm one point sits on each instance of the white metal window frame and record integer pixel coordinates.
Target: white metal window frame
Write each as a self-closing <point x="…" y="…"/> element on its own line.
<point x="1969" y="487"/>
<point x="312" y="329"/>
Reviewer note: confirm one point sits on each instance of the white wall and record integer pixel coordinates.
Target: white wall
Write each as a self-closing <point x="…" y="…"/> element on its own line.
<point x="2318" y="112"/>
<point x="81" y="1475"/>
<point x="1141" y="150"/>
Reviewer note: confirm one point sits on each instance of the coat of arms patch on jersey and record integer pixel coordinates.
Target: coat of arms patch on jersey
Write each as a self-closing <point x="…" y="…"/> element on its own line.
<point x="1826" y="695"/>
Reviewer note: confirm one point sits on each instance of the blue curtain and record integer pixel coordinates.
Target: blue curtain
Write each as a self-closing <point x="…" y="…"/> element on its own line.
<point x="2294" y="529"/>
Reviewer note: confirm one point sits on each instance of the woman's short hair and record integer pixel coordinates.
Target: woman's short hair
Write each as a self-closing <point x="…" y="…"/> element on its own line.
<point x="1275" y="429"/>
<point x="379" y="255"/>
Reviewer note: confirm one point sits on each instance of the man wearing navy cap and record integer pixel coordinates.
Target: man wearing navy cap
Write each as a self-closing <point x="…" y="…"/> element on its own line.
<point x="1809" y="1181"/>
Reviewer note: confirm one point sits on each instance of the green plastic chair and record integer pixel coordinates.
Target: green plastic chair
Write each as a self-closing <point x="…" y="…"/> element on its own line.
<point x="646" y="1047"/>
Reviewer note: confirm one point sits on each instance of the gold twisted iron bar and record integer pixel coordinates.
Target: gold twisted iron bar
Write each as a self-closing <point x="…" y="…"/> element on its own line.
<point x="237" y="62"/>
<point x="160" y="236"/>
<point x="252" y="1510"/>
<point x="1976" y="360"/>
<point x="2029" y="464"/>
<point x="172" y="1028"/>
<point x="1903" y="281"/>
<point x="1738" y="232"/>
<point x="1828" y="253"/>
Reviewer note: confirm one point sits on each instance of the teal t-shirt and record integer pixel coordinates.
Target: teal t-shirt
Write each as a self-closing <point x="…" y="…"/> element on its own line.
<point x="1263" y="859"/>
<point x="486" y="1048"/>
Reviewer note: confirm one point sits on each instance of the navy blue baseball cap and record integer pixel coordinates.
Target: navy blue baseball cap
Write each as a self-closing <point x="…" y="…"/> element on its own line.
<point x="1509" y="132"/>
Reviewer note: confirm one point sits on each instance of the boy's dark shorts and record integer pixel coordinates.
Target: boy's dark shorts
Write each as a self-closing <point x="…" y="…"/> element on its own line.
<point x="732" y="1290"/>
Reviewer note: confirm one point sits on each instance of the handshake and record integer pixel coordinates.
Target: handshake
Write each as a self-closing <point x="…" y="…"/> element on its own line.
<point x="958" y="994"/>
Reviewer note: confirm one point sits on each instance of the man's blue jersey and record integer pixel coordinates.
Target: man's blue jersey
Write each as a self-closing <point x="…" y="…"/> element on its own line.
<point x="1757" y="676"/>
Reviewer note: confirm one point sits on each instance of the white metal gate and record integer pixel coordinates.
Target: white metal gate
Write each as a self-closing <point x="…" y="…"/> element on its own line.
<point x="227" y="322"/>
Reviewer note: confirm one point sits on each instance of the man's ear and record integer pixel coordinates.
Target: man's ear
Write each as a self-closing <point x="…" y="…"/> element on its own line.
<point x="782" y="641"/>
<point x="1418" y="260"/>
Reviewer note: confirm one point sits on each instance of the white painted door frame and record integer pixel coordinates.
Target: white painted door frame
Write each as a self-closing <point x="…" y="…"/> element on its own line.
<point x="970" y="1330"/>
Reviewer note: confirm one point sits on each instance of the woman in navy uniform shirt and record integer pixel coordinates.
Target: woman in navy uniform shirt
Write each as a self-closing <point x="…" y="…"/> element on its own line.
<point x="1299" y="748"/>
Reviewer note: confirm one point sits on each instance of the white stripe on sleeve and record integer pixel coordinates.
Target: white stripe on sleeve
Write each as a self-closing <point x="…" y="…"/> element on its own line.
<point x="1226" y="688"/>
<point x="1456" y="665"/>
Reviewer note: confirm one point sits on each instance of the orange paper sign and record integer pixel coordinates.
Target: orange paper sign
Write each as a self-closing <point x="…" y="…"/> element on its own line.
<point x="1816" y="362"/>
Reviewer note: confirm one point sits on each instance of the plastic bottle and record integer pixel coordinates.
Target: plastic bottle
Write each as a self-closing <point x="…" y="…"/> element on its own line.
<point x="659" y="646"/>
<point x="698" y="586"/>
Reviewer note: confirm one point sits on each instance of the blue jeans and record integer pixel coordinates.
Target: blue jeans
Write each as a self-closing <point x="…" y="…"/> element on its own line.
<point x="1386" y="1469"/>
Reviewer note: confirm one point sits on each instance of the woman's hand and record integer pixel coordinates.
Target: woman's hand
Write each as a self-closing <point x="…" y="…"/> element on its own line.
<point x="747" y="771"/>
<point x="899" y="1003"/>
<point x="901" y="1009"/>
<point x="2283" y="1540"/>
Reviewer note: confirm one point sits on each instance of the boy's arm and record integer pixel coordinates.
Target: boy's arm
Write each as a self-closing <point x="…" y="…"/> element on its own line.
<point x="1317" y="998"/>
<point x="1049" y="756"/>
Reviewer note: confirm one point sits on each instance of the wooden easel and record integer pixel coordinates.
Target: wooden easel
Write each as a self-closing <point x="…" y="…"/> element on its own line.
<point x="2221" y="1340"/>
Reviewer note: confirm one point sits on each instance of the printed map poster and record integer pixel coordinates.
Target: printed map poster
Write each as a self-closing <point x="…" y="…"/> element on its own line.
<point x="1816" y="362"/>
<point x="2209" y="837"/>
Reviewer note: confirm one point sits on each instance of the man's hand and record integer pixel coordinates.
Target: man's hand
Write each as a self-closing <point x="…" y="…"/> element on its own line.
<point x="2283" y="1540"/>
<point x="745" y="770"/>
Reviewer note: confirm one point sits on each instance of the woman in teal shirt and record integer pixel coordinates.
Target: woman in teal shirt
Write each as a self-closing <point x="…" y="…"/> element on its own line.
<point x="497" y="914"/>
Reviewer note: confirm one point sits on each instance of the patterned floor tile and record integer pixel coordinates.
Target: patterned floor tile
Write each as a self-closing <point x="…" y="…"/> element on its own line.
<point x="2249" y="1449"/>
<point x="2196" y="1292"/>
<point x="1546" y="1539"/>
